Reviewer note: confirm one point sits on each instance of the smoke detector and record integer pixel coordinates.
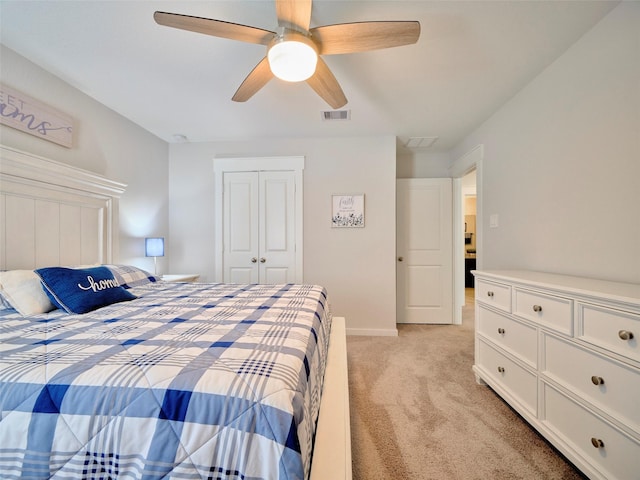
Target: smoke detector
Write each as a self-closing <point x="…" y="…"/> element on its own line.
<point x="179" y="138"/>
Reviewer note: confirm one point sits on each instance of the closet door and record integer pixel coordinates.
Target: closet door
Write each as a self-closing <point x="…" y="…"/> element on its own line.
<point x="277" y="227"/>
<point x="240" y="225"/>
<point x="259" y="227"/>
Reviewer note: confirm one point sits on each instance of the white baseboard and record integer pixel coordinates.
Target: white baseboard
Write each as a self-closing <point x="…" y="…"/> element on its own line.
<point x="373" y="332"/>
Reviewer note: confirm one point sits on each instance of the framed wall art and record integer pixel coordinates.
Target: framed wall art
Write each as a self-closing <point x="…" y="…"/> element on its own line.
<point x="347" y="211"/>
<point x="20" y="111"/>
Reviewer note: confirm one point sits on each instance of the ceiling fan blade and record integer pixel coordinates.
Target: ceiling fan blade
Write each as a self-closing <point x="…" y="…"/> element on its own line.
<point x="294" y="14"/>
<point x="257" y="79"/>
<point x="217" y="28"/>
<point x="363" y="36"/>
<point x="326" y="85"/>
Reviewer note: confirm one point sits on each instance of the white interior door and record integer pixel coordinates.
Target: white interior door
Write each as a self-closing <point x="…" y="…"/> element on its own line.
<point x="424" y="251"/>
<point x="240" y="225"/>
<point x="276" y="230"/>
<point x="259" y="227"/>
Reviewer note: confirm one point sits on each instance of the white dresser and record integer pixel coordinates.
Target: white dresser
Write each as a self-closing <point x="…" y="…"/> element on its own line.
<point x="563" y="352"/>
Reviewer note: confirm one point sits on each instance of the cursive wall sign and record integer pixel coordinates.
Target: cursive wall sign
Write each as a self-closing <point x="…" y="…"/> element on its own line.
<point x="347" y="211"/>
<point x="24" y="113"/>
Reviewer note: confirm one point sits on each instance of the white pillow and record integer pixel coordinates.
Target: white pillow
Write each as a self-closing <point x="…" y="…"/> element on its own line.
<point x="23" y="290"/>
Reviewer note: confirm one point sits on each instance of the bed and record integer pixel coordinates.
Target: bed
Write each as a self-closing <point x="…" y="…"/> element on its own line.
<point x="174" y="381"/>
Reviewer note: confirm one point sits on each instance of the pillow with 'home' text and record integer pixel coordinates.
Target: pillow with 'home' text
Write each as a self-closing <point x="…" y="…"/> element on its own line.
<point x="82" y="290"/>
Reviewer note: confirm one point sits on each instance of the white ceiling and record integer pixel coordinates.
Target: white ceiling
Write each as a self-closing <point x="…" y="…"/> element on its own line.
<point x="471" y="58"/>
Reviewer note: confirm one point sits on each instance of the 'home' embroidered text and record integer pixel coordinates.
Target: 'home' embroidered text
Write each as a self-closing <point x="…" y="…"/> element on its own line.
<point x="101" y="285"/>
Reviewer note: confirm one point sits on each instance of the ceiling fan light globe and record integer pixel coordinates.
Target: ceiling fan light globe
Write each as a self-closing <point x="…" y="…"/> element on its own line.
<point x="292" y="61"/>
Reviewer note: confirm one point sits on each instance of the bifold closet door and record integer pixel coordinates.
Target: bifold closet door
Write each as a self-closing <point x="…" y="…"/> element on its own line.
<point x="259" y="227"/>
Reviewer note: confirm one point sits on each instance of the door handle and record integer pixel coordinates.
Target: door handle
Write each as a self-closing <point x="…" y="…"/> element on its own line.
<point x="400" y="259"/>
<point x="262" y="259"/>
<point x="254" y="260"/>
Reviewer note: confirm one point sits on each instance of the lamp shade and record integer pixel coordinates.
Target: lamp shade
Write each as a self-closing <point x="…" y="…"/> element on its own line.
<point x="154" y="247"/>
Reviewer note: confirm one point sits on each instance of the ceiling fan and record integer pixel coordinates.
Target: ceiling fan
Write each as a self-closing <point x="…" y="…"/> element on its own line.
<point x="294" y="50"/>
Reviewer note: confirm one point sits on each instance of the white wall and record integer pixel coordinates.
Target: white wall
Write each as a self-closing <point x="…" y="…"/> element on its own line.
<point x="357" y="266"/>
<point x="104" y="142"/>
<point x="422" y="164"/>
<point x="562" y="161"/>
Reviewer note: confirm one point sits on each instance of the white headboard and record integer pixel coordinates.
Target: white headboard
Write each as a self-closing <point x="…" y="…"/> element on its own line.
<point x="55" y="214"/>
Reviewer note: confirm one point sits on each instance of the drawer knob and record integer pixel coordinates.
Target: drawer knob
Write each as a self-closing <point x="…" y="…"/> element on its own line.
<point x="490" y="294"/>
<point x="597" y="443"/>
<point x="537" y="308"/>
<point x="597" y="380"/>
<point x="501" y="331"/>
<point x="625" y="335"/>
<point x="500" y="369"/>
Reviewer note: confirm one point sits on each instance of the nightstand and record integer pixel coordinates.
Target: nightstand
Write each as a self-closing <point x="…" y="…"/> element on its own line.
<point x="181" y="277"/>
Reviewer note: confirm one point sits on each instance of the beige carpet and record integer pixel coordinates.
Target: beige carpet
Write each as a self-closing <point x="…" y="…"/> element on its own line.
<point x="417" y="412"/>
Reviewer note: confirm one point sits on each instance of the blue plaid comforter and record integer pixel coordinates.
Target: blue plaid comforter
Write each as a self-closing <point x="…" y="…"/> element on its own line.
<point x="189" y="381"/>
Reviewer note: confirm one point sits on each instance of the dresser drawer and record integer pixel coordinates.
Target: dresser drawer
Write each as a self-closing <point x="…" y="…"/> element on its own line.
<point x="519" y="339"/>
<point x="495" y="294"/>
<point x="615" y="330"/>
<point x="547" y="310"/>
<point x="611" y="386"/>
<point x="616" y="457"/>
<point x="517" y="381"/>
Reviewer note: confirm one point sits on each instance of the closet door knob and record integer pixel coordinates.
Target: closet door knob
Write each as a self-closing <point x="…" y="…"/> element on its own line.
<point x="597" y="380"/>
<point x="262" y="260"/>
<point x="500" y="369"/>
<point x="537" y="308"/>
<point x="490" y="294"/>
<point x="254" y="260"/>
<point x="625" y="335"/>
<point x="597" y="443"/>
<point x="501" y="331"/>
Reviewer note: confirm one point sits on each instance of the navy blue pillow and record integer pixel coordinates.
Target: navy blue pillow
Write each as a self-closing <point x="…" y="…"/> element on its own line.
<point x="82" y="290"/>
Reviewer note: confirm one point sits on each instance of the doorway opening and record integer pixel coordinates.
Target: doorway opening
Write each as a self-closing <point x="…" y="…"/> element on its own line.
<point x="469" y="205"/>
<point x="467" y="174"/>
